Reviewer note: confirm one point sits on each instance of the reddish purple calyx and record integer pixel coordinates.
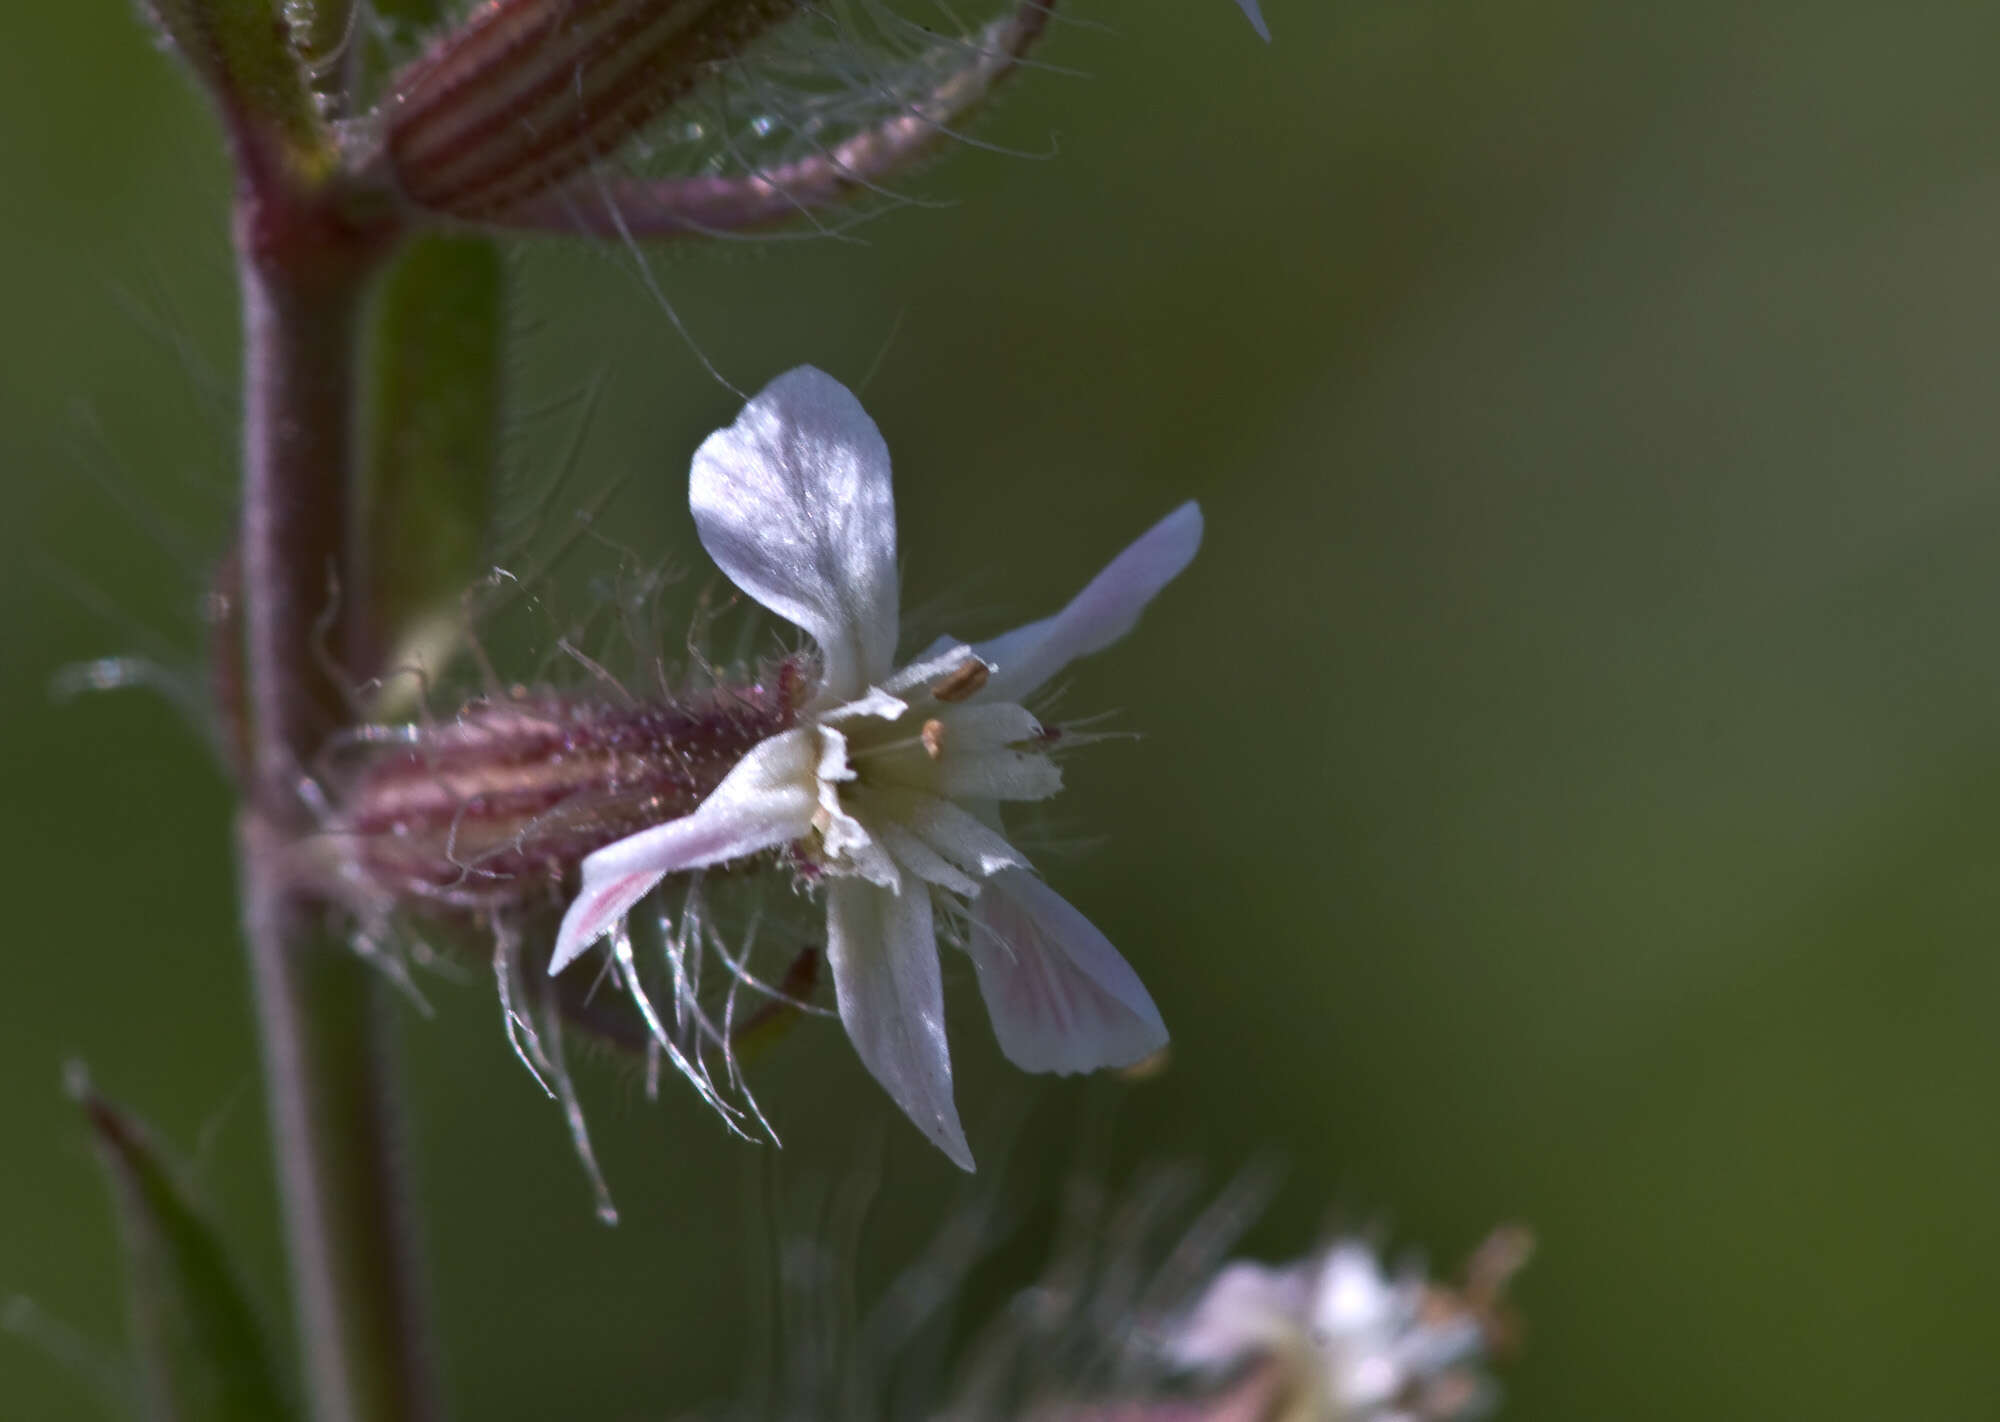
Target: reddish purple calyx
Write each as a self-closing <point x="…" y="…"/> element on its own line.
<point x="504" y="801"/>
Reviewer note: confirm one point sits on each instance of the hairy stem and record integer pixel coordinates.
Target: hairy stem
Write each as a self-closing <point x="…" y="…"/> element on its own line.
<point x="327" y="1080"/>
<point x="304" y="276"/>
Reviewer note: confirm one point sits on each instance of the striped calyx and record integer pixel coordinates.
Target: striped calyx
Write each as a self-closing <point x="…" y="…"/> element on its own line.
<point x="528" y="93"/>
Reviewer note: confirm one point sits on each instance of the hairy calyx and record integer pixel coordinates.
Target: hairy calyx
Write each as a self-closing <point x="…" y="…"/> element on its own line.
<point x="496" y="807"/>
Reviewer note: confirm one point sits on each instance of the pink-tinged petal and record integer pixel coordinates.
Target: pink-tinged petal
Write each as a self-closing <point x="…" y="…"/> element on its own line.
<point x="1060" y="996"/>
<point x="595" y="911"/>
<point x="1256" y="16"/>
<point x="793" y="503"/>
<point x="882" y="948"/>
<point x="1104" y="611"/>
<point x="766" y="801"/>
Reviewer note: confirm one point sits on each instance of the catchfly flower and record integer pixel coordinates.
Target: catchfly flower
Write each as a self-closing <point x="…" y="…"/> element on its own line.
<point x="885" y="793"/>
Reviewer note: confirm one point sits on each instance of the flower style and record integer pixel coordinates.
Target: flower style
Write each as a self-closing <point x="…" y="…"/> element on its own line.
<point x="1350" y="1342"/>
<point x="887" y="788"/>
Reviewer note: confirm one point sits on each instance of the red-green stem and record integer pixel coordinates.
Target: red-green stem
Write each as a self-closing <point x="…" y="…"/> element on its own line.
<point x="305" y="274"/>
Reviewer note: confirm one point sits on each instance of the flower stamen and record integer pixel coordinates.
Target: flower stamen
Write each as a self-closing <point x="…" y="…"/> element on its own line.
<point x="963" y="682"/>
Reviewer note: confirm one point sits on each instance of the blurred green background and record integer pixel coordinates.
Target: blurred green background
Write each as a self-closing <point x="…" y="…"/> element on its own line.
<point x="1569" y="776"/>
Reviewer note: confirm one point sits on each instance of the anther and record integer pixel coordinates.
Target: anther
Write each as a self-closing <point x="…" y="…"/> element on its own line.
<point x="964" y="681"/>
<point x="932" y="734"/>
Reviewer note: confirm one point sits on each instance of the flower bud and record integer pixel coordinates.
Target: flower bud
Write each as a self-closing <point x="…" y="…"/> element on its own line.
<point x="529" y="92"/>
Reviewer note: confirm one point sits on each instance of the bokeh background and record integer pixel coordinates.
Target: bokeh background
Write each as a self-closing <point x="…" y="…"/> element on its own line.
<point x="1569" y="775"/>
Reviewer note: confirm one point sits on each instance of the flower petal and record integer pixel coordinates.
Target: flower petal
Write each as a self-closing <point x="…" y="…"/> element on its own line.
<point x="1060" y="996"/>
<point x="793" y="503"/>
<point x="874" y="702"/>
<point x="917" y="858"/>
<point x="767" y="800"/>
<point x="1104" y="611"/>
<point x="949" y="829"/>
<point x="883" y="951"/>
<point x="988" y="726"/>
<point x="998" y="775"/>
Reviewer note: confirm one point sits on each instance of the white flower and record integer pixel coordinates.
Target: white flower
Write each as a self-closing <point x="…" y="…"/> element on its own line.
<point x="891" y="783"/>
<point x="1353" y="1344"/>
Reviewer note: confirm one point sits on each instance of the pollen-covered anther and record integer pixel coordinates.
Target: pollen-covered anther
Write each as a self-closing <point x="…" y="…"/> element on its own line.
<point x="527" y="93"/>
<point x="963" y="682"/>
<point x="932" y="736"/>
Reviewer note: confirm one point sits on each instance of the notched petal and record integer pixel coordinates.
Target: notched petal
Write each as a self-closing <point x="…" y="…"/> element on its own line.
<point x="793" y="502"/>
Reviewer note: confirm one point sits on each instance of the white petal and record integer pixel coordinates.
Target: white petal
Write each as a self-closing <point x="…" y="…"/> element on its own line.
<point x="847" y="843"/>
<point x="883" y="951"/>
<point x="1060" y="996"/>
<point x="960" y="836"/>
<point x="793" y="503"/>
<point x="767" y="800"/>
<point x="873" y="702"/>
<point x="987" y="726"/>
<point x="924" y="862"/>
<point x="851" y="848"/>
<point x="831" y="761"/>
<point x="998" y="775"/>
<point x="1249" y="7"/>
<point x="1104" y="611"/>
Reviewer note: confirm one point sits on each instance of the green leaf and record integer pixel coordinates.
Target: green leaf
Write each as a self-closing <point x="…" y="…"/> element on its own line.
<point x="202" y="1351"/>
<point x="433" y="448"/>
